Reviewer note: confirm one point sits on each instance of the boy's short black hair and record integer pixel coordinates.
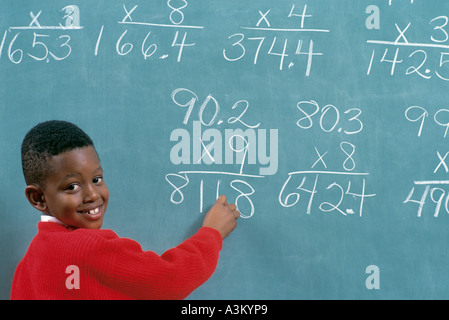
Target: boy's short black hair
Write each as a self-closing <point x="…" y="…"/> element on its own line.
<point x="45" y="140"/>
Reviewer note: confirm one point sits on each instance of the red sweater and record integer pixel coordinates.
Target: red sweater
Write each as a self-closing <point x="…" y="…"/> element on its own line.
<point x="111" y="267"/>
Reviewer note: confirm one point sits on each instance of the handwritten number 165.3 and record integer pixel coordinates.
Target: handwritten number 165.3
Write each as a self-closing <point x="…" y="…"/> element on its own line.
<point x="40" y="47"/>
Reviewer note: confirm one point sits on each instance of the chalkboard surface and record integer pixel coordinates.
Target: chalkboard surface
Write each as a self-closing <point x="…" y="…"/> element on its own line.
<point x="326" y="122"/>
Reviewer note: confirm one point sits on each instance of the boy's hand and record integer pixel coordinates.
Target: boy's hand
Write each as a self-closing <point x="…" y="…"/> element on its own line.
<point x="222" y="217"/>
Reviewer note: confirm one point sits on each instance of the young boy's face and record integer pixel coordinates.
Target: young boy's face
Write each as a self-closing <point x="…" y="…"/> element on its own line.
<point x="75" y="192"/>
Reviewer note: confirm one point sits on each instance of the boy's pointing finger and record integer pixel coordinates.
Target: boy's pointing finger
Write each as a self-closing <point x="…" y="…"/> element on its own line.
<point x="236" y="214"/>
<point x="221" y="200"/>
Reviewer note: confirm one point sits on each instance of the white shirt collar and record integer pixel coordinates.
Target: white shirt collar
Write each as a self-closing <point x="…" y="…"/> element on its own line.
<point x="46" y="218"/>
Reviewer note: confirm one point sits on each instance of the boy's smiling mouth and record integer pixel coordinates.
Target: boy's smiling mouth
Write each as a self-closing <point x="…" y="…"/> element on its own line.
<point x="93" y="212"/>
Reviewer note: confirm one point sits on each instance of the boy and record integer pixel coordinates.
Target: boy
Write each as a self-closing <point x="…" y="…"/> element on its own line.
<point x="72" y="258"/>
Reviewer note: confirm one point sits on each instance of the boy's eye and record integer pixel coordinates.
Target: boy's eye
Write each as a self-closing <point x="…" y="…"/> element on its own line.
<point x="73" y="187"/>
<point x="97" y="180"/>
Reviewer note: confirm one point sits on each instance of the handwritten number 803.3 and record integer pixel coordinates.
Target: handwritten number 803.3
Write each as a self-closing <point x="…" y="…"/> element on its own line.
<point x="330" y="119"/>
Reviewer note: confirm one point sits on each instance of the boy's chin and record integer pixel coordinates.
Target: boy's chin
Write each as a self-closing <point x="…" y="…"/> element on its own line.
<point x="92" y="224"/>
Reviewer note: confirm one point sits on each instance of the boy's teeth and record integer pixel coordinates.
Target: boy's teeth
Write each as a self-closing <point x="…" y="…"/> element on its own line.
<point x="94" y="211"/>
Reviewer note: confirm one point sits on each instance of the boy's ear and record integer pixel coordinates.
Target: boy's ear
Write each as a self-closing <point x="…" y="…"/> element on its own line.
<point x="35" y="196"/>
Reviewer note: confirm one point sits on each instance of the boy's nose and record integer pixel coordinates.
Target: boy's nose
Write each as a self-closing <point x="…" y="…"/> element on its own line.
<point x="91" y="193"/>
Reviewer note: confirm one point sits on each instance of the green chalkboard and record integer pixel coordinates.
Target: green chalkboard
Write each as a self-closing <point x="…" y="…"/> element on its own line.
<point x="326" y="122"/>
